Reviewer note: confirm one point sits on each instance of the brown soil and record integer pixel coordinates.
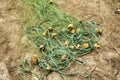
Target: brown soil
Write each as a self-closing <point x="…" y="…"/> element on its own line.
<point x="102" y="64"/>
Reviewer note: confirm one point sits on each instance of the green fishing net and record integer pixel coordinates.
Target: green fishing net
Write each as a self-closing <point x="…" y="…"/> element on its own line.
<point x="59" y="37"/>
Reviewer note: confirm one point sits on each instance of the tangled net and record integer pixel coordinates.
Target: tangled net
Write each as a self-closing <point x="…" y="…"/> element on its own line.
<point x="60" y="38"/>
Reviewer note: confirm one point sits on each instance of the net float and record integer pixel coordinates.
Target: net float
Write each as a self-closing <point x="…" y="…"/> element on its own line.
<point x="63" y="58"/>
<point x="34" y="59"/>
<point x="72" y="31"/>
<point x="86" y="45"/>
<point x="96" y="45"/>
<point x="70" y="26"/>
<point x="49" y="68"/>
<point x="53" y="35"/>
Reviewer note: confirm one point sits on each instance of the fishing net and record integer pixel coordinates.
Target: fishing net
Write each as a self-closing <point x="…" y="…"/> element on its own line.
<point x="60" y="38"/>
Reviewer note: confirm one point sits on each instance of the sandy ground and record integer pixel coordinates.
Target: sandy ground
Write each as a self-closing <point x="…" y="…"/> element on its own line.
<point x="103" y="64"/>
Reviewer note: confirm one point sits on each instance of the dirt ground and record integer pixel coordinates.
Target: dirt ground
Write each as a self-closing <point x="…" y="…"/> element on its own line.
<point x="102" y="64"/>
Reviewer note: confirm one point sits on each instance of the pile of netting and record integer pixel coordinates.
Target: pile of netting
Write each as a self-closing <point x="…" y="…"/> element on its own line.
<point x="60" y="38"/>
